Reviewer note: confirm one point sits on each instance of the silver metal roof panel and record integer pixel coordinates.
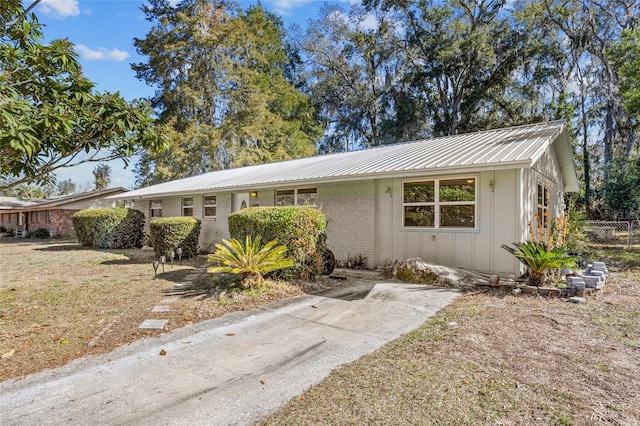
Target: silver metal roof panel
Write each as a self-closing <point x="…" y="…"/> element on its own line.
<point x="510" y="147"/>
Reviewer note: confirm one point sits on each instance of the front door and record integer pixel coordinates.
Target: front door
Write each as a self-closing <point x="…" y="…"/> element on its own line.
<point x="240" y="201"/>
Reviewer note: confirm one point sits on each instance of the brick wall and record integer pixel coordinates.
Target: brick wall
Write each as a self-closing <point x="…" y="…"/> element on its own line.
<point x="350" y="211"/>
<point x="58" y="220"/>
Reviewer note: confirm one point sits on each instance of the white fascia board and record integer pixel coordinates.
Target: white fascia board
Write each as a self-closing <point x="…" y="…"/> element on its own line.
<point x="331" y="180"/>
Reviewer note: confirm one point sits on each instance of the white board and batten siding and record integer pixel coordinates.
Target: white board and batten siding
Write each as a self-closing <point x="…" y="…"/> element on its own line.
<point x="466" y="248"/>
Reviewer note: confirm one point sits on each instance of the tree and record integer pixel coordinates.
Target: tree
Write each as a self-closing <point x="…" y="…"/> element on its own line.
<point x="102" y="176"/>
<point x="626" y="56"/>
<point x="354" y="73"/>
<point x="66" y="187"/>
<point x="464" y="55"/>
<point x="588" y="32"/>
<point x="24" y="191"/>
<point x="50" y="116"/>
<point x="223" y="93"/>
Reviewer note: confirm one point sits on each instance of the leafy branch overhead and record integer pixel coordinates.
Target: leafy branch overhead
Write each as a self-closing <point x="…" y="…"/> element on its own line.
<point x="50" y="114"/>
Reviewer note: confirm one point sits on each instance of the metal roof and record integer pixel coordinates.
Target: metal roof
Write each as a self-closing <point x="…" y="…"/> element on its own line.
<point x="514" y="147"/>
<point x="18" y="203"/>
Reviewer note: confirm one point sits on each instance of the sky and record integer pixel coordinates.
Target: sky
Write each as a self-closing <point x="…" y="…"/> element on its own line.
<point x="103" y="33"/>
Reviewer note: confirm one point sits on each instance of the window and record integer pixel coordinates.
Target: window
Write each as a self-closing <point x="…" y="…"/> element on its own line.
<point x="187" y="207"/>
<point x="543" y="205"/>
<point x="285" y="198"/>
<point x="297" y="197"/>
<point x="306" y="197"/>
<point x="47" y="216"/>
<point x="209" y="206"/>
<point x="156" y="209"/>
<point x="36" y="217"/>
<point x="440" y="203"/>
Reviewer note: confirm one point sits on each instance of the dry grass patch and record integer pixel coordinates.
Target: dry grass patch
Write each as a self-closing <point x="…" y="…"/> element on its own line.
<point x="60" y="301"/>
<point x="495" y="359"/>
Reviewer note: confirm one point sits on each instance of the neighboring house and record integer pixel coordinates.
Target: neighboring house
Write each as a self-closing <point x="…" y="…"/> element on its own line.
<point x="450" y="200"/>
<point x="53" y="214"/>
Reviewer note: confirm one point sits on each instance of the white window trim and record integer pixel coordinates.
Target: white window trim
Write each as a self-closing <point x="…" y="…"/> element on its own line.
<point x="205" y="205"/>
<point x="436" y="204"/>
<point x="188" y="207"/>
<point x="545" y="206"/>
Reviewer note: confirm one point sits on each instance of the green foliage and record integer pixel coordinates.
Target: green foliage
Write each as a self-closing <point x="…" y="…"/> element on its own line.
<point x="166" y="234"/>
<point x="223" y="93"/>
<point x="626" y="54"/>
<point x="300" y="229"/>
<point x="622" y="201"/>
<point x="50" y="115"/>
<point x="102" y="176"/>
<point x="41" y="233"/>
<point x="250" y="260"/>
<point x="540" y="260"/>
<point x="23" y="191"/>
<point x="109" y="227"/>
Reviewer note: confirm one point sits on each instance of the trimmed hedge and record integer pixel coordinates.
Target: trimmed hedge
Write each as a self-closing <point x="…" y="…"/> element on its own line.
<point x="109" y="227"/>
<point x="169" y="233"/>
<point x="300" y="229"/>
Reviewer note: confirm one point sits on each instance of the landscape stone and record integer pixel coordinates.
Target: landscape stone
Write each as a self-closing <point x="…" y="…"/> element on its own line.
<point x="153" y="324"/>
<point x="161" y="308"/>
<point x="576" y="299"/>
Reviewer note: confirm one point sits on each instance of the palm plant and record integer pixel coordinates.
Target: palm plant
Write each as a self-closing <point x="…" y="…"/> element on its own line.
<point x="539" y="259"/>
<point x="250" y="260"/>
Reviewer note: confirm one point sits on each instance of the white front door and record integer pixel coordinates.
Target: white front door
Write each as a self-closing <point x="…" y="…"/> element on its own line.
<point x="240" y="201"/>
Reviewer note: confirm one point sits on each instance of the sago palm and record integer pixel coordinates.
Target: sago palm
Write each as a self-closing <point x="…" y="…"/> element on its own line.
<point x="250" y="260"/>
<point x="539" y="260"/>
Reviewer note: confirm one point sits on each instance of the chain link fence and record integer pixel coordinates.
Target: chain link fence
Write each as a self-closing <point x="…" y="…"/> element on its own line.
<point x="610" y="233"/>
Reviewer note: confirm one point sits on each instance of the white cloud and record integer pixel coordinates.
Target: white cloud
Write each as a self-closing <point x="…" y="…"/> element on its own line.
<point x="101" y="54"/>
<point x="368" y="22"/>
<point x="60" y="8"/>
<point x="286" y="7"/>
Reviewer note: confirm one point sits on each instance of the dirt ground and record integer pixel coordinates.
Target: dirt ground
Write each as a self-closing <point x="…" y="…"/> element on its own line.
<point x="498" y="359"/>
<point x="489" y="358"/>
<point x="60" y="301"/>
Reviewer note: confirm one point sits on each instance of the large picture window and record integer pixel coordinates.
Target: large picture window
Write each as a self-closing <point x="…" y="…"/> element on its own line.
<point x="155" y="208"/>
<point x="297" y="197"/>
<point x="209" y="206"/>
<point x="440" y="203"/>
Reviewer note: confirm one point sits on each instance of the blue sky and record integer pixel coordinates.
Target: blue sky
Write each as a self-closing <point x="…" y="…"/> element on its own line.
<point x="103" y="32"/>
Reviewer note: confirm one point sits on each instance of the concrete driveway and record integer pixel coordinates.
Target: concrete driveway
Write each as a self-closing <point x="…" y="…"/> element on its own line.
<point x="231" y="370"/>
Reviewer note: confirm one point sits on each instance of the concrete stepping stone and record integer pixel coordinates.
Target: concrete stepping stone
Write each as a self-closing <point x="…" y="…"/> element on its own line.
<point x="169" y="300"/>
<point x="153" y="324"/>
<point x="161" y="308"/>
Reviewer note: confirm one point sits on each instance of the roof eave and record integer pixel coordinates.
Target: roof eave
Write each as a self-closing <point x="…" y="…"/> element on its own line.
<point x="564" y="152"/>
<point x="333" y="179"/>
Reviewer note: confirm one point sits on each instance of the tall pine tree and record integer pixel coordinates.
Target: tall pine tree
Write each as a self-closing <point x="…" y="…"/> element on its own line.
<point x="223" y="96"/>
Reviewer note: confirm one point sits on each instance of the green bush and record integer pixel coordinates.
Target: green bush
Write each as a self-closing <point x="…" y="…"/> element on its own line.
<point x="169" y="233"/>
<point x="300" y="229"/>
<point x="41" y="233"/>
<point x="109" y="227"/>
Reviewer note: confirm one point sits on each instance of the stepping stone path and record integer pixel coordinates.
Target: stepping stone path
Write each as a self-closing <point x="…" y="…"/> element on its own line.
<point x="178" y="289"/>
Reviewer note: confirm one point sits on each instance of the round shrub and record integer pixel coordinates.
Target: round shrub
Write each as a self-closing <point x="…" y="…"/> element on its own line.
<point x="109" y="227"/>
<point x="169" y="233"/>
<point x="300" y="229"/>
